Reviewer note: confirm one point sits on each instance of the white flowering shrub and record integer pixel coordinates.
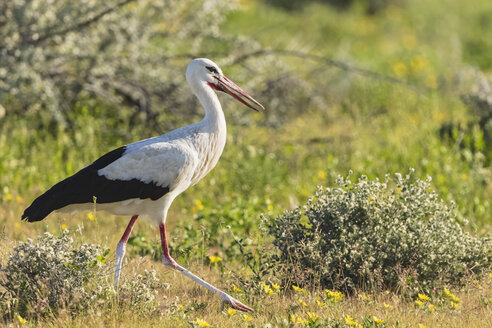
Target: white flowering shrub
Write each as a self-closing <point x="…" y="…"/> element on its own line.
<point x="45" y="276"/>
<point x="54" y="54"/>
<point x="125" y="59"/>
<point x="395" y="234"/>
<point x="140" y="293"/>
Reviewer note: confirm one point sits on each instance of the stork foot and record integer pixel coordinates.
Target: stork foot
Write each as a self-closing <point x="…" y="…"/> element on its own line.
<point x="233" y="303"/>
<point x="168" y="261"/>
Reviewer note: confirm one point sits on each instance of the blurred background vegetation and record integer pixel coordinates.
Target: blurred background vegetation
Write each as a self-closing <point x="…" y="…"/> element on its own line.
<point x="368" y="86"/>
<point x="371" y="86"/>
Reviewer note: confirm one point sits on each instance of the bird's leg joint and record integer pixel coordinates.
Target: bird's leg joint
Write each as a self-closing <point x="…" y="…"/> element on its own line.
<point x="169" y="261"/>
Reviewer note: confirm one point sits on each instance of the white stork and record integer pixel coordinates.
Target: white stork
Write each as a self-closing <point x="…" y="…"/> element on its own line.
<point x="143" y="178"/>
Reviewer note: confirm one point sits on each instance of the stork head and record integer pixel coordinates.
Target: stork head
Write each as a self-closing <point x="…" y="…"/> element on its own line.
<point x="203" y="70"/>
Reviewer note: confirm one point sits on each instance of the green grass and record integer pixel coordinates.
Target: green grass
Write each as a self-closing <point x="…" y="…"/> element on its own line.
<point x="365" y="125"/>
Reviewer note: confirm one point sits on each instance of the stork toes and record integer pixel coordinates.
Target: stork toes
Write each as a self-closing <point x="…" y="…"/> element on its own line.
<point x="226" y="299"/>
<point x="233" y="303"/>
<point x="236" y="305"/>
<point x="168" y="261"/>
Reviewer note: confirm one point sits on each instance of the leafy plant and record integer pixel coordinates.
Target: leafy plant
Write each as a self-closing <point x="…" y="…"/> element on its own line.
<point x="117" y="51"/>
<point x="45" y="275"/>
<point x="395" y="234"/>
<point x="476" y="134"/>
<point x="140" y="293"/>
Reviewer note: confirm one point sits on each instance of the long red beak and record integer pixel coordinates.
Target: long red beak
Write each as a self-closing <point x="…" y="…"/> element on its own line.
<point x="229" y="87"/>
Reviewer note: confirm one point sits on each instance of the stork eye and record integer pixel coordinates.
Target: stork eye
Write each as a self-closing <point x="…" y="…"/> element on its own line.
<point x="212" y="69"/>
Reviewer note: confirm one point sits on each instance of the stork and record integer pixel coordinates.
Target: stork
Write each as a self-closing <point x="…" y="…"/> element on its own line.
<point x="143" y="178"/>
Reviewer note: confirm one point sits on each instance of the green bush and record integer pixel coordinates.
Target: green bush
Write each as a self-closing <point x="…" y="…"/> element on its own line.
<point x="139" y="294"/>
<point x="48" y="275"/>
<point x="396" y="234"/>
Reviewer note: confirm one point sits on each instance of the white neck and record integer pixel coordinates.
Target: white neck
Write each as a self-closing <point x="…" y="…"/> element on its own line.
<point x="214" y="116"/>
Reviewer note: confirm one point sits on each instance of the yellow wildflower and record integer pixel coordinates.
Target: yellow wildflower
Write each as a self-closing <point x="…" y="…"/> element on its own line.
<point x="490" y="275"/>
<point x="268" y="290"/>
<point x="377" y="320"/>
<point x="302" y="321"/>
<point x="21" y="320"/>
<point x="455" y="299"/>
<point x="400" y="69"/>
<point x="350" y="321"/>
<point x="64" y="227"/>
<point x="231" y="311"/>
<point x="319" y="302"/>
<point x="321" y="175"/>
<point x="364" y="297"/>
<point x="199" y="205"/>
<point x="91" y="216"/>
<point x="419" y="303"/>
<point x="387" y="306"/>
<point x="431" y="307"/>
<point x="19" y="199"/>
<point x="247" y="317"/>
<point x="301" y="302"/>
<point x="418" y="63"/>
<point x="312" y="316"/>
<point x="202" y="323"/>
<point x="9" y="196"/>
<point x="180" y="307"/>
<point x="214" y="259"/>
<point x="276" y="287"/>
<point x="237" y="289"/>
<point x="451" y="296"/>
<point x="298" y="289"/>
<point x="334" y="296"/>
<point x="455" y="305"/>
<point x="424" y="297"/>
<point x="295" y="319"/>
<point x="422" y="326"/>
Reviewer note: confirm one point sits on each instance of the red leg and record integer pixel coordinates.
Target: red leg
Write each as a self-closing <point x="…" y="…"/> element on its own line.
<point x="120" y="249"/>
<point x="128" y="230"/>
<point x="166" y="257"/>
<point x="167" y="260"/>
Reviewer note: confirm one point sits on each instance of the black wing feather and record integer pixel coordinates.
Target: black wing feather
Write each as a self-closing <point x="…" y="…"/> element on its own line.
<point x="86" y="184"/>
